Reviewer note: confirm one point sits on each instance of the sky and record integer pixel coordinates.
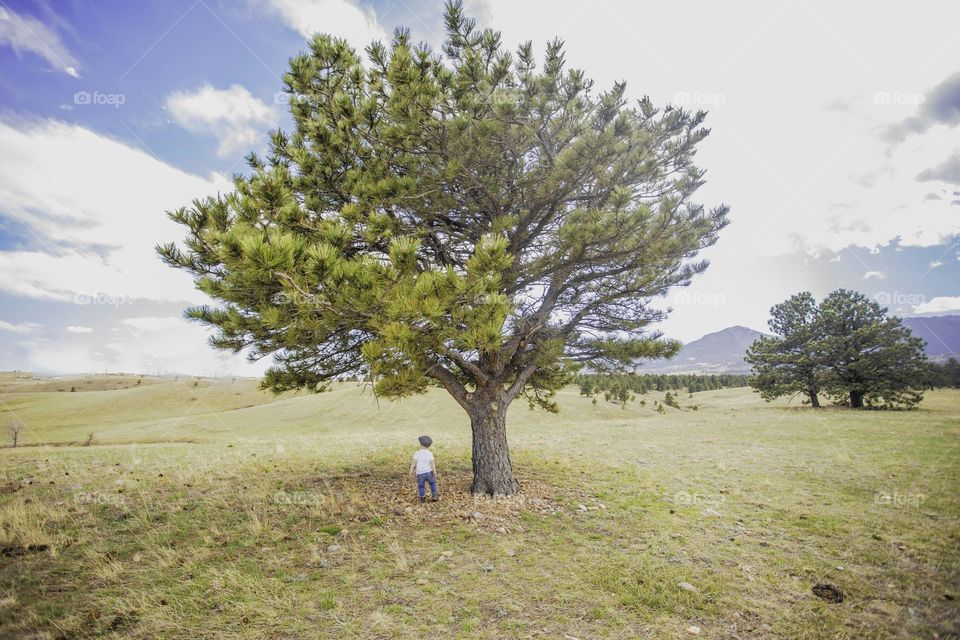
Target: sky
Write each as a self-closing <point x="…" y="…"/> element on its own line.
<point x="835" y="141"/>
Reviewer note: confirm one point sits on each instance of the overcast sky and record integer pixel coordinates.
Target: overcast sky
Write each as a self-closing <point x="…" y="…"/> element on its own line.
<point x="836" y="142"/>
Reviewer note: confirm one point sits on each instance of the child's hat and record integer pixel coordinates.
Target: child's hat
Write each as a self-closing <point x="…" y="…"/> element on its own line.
<point x="425" y="441"/>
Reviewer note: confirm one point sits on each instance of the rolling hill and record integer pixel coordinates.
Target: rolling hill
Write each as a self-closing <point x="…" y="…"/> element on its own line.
<point x="719" y="352"/>
<point x="941" y="333"/>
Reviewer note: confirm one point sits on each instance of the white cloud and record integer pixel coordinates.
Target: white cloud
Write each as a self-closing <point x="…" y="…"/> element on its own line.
<point x="877" y="275"/>
<point x="27" y="34"/>
<point x="340" y="18"/>
<point x="142" y="345"/>
<point x="939" y="305"/>
<point x="148" y="344"/>
<point x="806" y="180"/>
<point x="786" y="163"/>
<point x="23" y="327"/>
<point x="79" y="329"/>
<point x="233" y="116"/>
<point x="94" y="210"/>
<point x="153" y="323"/>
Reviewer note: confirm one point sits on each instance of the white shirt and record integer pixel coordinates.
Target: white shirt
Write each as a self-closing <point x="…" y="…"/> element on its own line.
<point x="423" y="457"/>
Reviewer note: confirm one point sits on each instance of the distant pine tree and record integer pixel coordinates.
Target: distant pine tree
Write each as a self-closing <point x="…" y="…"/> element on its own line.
<point x="872" y="359"/>
<point x="846" y="347"/>
<point x="788" y="362"/>
<point x="670" y="401"/>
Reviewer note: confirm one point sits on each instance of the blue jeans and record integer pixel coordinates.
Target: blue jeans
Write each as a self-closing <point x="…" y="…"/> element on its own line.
<point x="426" y="477"/>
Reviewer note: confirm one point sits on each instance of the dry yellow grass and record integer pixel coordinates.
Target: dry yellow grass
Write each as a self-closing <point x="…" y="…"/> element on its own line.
<point x="294" y="518"/>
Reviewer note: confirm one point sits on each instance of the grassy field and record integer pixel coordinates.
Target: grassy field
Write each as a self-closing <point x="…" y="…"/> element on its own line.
<point x="183" y="508"/>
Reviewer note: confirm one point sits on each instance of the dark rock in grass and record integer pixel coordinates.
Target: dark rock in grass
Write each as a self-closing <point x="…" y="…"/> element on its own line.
<point x="16" y="550"/>
<point x="828" y="592"/>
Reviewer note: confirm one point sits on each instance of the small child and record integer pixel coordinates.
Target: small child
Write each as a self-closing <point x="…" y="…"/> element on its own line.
<point x="426" y="469"/>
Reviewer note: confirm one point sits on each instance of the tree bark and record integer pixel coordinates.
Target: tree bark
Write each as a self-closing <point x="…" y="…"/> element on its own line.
<point x="492" y="470"/>
<point x="814" y="400"/>
<point x="856" y="399"/>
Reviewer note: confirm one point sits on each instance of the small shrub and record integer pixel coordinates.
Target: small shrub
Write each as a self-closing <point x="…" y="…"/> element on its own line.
<point x="670" y="401"/>
<point x="15" y="427"/>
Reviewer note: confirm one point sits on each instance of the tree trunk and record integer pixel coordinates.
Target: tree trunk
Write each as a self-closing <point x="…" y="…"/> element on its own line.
<point x="814" y="400"/>
<point x="856" y="399"/>
<point x="492" y="471"/>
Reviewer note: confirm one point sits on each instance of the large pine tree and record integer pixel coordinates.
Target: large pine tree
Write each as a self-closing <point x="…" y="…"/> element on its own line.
<point x="459" y="218"/>
<point x="787" y="362"/>
<point x="872" y="360"/>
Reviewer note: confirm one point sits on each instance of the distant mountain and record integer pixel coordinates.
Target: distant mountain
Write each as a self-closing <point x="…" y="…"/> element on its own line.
<point x="720" y="352"/>
<point x="723" y="351"/>
<point x="941" y="333"/>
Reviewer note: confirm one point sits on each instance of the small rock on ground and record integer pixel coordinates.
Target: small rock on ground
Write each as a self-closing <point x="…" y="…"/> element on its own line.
<point x="828" y="592"/>
<point x="693" y="630"/>
<point x="686" y="586"/>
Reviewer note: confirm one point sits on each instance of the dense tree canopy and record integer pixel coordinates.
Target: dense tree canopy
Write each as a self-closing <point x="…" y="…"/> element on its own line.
<point x="871" y="359"/>
<point x="462" y="218"/>
<point x="787" y="363"/>
<point x="620" y="387"/>
<point x="945" y="374"/>
<point x="846" y="347"/>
